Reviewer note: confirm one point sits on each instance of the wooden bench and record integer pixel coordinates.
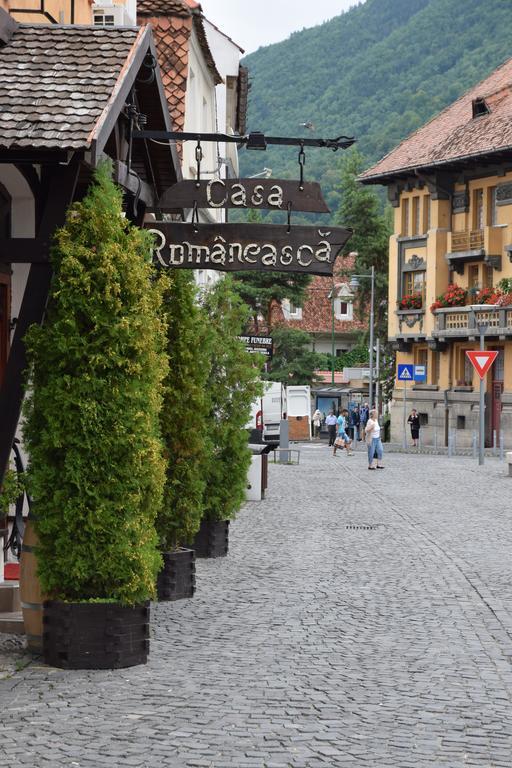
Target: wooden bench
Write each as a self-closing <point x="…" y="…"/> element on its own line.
<point x="508" y="457"/>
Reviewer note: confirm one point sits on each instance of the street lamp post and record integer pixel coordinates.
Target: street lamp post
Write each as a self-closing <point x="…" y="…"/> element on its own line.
<point x="354" y="283"/>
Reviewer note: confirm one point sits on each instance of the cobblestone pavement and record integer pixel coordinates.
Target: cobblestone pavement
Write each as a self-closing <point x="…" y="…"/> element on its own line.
<point x="359" y="620"/>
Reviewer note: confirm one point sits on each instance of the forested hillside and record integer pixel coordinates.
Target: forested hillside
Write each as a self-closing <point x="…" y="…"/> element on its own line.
<point x="376" y="72"/>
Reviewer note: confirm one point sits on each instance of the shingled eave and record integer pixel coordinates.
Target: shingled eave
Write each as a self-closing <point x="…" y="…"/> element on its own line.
<point x="197" y="18"/>
<point x="486" y="87"/>
<point x="411" y="170"/>
<point x="126" y="78"/>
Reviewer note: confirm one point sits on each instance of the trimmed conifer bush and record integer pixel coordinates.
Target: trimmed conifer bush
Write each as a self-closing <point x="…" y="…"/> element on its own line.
<point x="92" y="430"/>
<point x="184" y="413"/>
<point x="234" y="385"/>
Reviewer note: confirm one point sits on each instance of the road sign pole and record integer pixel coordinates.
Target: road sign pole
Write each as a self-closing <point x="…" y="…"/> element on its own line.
<point x="482" y="410"/>
<point x="405" y="414"/>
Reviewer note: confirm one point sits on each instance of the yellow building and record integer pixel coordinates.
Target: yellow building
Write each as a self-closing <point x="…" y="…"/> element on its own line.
<point x="450" y="184"/>
<point x="106" y="13"/>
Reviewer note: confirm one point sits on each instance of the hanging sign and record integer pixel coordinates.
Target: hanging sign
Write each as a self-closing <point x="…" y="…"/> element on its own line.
<point x="255" y="247"/>
<point x="481" y="360"/>
<point x="261" y="344"/>
<point x="270" y="194"/>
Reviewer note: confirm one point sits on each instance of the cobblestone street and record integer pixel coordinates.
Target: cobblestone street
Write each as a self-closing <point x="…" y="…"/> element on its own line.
<point x="359" y="620"/>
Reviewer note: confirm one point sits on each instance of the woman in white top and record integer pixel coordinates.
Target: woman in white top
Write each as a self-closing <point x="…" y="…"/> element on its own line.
<point x="317" y="422"/>
<point x="372" y="431"/>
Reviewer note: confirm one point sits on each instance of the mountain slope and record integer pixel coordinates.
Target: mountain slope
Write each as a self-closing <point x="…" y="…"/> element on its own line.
<point x="376" y="72"/>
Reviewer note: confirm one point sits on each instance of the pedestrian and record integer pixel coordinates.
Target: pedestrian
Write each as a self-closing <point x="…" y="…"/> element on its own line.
<point x="342" y="439"/>
<point x="317" y="422"/>
<point x="355" y="421"/>
<point x="373" y="441"/>
<point x="363" y="418"/>
<point x="331" y="422"/>
<point x="414" y="421"/>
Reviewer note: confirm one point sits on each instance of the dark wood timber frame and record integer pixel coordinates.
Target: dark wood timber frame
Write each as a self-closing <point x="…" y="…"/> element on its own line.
<point x="57" y="178"/>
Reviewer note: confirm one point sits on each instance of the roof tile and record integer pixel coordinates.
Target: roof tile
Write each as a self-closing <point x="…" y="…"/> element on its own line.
<point x="454" y="134"/>
<point x="55" y="82"/>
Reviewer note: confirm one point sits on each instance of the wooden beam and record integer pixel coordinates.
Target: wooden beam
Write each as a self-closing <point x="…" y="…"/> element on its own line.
<point x="33" y="306"/>
<point x="134" y="184"/>
<point x="24" y="250"/>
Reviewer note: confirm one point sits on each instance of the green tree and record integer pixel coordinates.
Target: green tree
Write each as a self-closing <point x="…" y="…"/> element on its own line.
<point x="360" y="211"/>
<point x="234" y="384"/>
<point x="184" y="413"/>
<point x="261" y="291"/>
<point x="92" y="420"/>
<point x="293" y="361"/>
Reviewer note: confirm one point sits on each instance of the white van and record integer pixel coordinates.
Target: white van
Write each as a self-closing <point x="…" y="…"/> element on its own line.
<point x="274" y="409"/>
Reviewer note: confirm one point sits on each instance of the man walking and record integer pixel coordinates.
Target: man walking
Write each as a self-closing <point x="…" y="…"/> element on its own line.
<point x="331" y="423"/>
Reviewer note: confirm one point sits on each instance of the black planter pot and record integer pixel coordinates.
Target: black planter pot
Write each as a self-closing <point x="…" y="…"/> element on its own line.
<point x="95" y="635"/>
<point x="212" y="539"/>
<point x="177" y="579"/>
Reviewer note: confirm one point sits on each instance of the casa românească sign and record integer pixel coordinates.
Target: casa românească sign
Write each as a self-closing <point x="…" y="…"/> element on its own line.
<point x="256" y="247"/>
<point x="274" y="195"/>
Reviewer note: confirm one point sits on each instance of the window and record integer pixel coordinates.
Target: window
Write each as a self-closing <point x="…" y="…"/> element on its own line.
<point x="488" y="276"/>
<point x="498" y="369"/>
<point x="291" y="311"/>
<point x="435" y="367"/>
<point x="492" y="216"/>
<point x="426" y="213"/>
<point x="102" y="19"/>
<point x="421" y="357"/>
<point x="473" y="276"/>
<point x="415" y="215"/>
<point x="405" y="217"/>
<point x="464" y="376"/>
<point x="343" y="310"/>
<point x="478" y="209"/>
<point x="414" y="282"/>
<point x="461" y="422"/>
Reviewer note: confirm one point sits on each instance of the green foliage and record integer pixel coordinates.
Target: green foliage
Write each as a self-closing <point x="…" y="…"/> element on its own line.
<point x="505" y="285"/>
<point x="293" y="361"/>
<point x="377" y="72"/>
<point x="11" y="489"/>
<point x="357" y="357"/>
<point x="184" y="413"/>
<point x="359" y="210"/>
<point x="234" y="384"/>
<point x="92" y="420"/>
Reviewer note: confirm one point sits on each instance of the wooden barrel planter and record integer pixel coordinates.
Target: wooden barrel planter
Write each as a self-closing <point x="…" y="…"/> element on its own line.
<point x="177" y="579"/>
<point x="95" y="635"/>
<point x="212" y="539"/>
<point x="30" y="590"/>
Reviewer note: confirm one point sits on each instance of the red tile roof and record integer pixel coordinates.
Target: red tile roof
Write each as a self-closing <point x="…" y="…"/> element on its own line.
<point x="454" y="134"/>
<point x="316" y="309"/>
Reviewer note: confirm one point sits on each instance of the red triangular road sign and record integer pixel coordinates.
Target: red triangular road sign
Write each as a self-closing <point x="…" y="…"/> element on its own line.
<point x="482" y="361"/>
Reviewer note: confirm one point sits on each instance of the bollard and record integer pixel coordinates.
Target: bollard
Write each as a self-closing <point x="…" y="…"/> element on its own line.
<point x="494" y="442"/>
<point x="502" y="446"/>
<point x="474" y="445"/>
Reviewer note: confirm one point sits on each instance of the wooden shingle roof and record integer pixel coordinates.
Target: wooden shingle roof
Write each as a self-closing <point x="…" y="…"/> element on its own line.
<point x="58" y="82"/>
<point x="455" y="134"/>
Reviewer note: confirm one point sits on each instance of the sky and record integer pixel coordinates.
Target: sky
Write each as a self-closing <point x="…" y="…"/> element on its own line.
<point x="253" y="23"/>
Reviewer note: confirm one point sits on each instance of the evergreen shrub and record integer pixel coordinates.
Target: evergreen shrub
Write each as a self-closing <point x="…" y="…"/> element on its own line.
<point x="92" y="419"/>
<point x="184" y="413"/>
<point x="234" y="385"/>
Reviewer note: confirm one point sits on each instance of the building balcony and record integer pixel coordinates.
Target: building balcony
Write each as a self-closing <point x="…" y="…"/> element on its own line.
<point x="462" y="322"/>
<point x="475" y="245"/>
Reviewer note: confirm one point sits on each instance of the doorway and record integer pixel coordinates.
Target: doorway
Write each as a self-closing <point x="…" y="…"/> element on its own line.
<point x="498" y="375"/>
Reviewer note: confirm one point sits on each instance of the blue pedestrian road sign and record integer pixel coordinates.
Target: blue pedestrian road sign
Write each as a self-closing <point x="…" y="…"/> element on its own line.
<point x="405" y="373"/>
<point x="420" y="373"/>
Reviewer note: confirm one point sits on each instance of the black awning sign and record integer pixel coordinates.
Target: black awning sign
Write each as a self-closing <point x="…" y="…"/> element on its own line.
<point x="262" y="344"/>
<point x="269" y="194"/>
<point x="255" y="247"/>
